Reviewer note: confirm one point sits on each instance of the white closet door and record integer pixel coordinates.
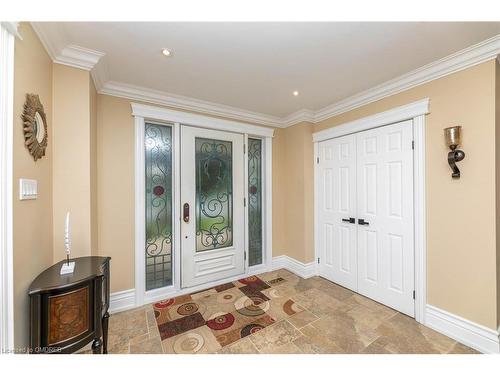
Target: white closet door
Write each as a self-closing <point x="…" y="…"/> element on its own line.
<point x="385" y="203"/>
<point x="337" y="205"/>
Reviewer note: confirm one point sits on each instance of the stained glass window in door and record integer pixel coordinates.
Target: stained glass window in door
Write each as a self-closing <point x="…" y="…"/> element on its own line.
<point x="158" y="192"/>
<point x="214" y="194"/>
<point x="254" y="201"/>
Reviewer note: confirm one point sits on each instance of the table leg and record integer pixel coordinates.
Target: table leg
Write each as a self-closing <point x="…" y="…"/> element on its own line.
<point x="105" y="324"/>
<point x="96" y="346"/>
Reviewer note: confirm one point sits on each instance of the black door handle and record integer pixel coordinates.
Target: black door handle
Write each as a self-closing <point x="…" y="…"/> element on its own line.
<point x="350" y="220"/>
<point x="363" y="222"/>
<point x="185" y="214"/>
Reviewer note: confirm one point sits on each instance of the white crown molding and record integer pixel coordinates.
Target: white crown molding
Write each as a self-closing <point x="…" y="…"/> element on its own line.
<point x="401" y="113"/>
<point x="479" y="337"/>
<point x="298" y="117"/>
<point x="78" y="57"/>
<point x="11" y="27"/>
<point x="476" y="54"/>
<point x="62" y="51"/>
<point x="187" y="104"/>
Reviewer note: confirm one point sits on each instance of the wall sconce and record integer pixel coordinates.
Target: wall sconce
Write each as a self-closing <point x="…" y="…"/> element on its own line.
<point x="453" y="138"/>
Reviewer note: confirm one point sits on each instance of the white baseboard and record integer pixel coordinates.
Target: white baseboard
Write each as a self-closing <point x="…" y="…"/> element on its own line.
<point x="121" y="301"/>
<point x="481" y="338"/>
<point x="304" y="270"/>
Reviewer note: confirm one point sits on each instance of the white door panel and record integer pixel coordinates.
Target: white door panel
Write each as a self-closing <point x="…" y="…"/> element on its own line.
<point x="369" y="176"/>
<point x="337" y="201"/>
<point x="212" y="180"/>
<point x="385" y="202"/>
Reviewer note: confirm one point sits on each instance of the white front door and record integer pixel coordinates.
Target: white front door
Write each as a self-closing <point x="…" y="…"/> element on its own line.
<point x="368" y="176"/>
<point x="385" y="204"/>
<point x="212" y="205"/>
<point x="337" y="205"/>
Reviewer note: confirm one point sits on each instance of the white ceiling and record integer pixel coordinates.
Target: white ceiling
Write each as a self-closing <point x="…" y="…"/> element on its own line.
<point x="257" y="66"/>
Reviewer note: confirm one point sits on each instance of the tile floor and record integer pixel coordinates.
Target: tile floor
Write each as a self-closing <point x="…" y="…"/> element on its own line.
<point x="321" y="317"/>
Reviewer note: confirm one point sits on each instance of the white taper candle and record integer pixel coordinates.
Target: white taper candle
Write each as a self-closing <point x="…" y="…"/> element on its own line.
<point x="67" y="241"/>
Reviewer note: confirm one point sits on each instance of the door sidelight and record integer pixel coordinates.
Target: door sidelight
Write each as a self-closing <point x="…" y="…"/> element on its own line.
<point x="185" y="213"/>
<point x="350" y="220"/>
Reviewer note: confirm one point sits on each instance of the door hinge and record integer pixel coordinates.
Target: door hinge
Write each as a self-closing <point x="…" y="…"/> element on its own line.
<point x="317" y="160"/>
<point x="245" y="255"/>
<point x="413" y="145"/>
<point x="244" y="202"/>
<point x="318" y="260"/>
<point x="244" y="148"/>
<point x="413" y="294"/>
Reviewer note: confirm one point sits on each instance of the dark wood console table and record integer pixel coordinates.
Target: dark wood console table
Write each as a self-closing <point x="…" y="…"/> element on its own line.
<point x="69" y="311"/>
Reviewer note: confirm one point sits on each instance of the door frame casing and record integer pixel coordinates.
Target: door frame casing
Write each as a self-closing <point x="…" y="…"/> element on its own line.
<point x="8" y="33"/>
<point x="146" y="113"/>
<point x="416" y="112"/>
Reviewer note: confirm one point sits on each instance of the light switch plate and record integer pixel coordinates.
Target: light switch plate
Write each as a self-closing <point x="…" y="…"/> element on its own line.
<point x="28" y="189"/>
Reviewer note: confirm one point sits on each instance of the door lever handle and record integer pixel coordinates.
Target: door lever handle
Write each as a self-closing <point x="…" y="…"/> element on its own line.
<point x="363" y="222"/>
<point x="350" y="220"/>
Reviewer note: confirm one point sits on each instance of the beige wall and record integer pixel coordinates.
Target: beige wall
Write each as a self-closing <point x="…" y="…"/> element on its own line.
<point x="292" y="201"/>
<point x="497" y="170"/>
<point x="32" y="227"/>
<point x="279" y="196"/>
<point x="115" y="188"/>
<point x="93" y="170"/>
<point x="461" y="230"/>
<point x="72" y="172"/>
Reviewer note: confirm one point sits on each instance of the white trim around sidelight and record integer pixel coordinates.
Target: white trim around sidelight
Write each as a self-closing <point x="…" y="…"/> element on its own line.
<point x="479" y="337"/>
<point x="140" y="239"/>
<point x="7" y="40"/>
<point x="202" y="121"/>
<point x="415" y="111"/>
<point x="146" y="113"/>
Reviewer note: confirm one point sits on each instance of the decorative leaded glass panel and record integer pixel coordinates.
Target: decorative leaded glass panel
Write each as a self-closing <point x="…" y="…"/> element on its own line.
<point x="254" y="201"/>
<point x="158" y="163"/>
<point x="214" y="194"/>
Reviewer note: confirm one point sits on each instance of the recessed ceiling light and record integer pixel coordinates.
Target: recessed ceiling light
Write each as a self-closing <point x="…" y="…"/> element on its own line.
<point x="166" y="52"/>
<point x="295" y="93"/>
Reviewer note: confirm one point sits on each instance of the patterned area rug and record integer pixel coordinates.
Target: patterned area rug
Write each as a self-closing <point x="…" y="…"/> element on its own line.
<point x="217" y="317"/>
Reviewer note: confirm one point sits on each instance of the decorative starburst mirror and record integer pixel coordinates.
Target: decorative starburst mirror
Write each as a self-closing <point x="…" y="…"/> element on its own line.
<point x="34" y="126"/>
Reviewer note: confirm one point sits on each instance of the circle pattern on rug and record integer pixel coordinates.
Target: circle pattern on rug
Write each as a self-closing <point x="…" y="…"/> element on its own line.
<point x="165" y="303"/>
<point x="273" y="293"/>
<point x="253" y="306"/>
<point x="221" y="322"/>
<point x="187" y="308"/>
<point x="189" y="343"/>
<point x="228" y="296"/>
<point x="290" y="307"/>
<point x="250" y="328"/>
<point x="249" y="280"/>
